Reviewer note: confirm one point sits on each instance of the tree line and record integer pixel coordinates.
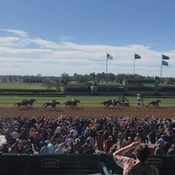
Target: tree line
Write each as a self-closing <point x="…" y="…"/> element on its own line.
<point x="77" y="78"/>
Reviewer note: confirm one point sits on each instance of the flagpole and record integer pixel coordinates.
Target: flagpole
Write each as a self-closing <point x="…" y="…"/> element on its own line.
<point x="161" y="70"/>
<point x="136" y="56"/>
<point x="106" y="66"/>
<point x="134" y="67"/>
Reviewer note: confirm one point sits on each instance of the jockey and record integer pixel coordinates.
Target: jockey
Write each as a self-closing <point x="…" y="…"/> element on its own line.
<point x="30" y="99"/>
<point x="113" y="100"/>
<point x="156" y="100"/>
<point x="139" y="100"/>
<point x="73" y="100"/>
<point x="23" y="100"/>
<point x="108" y="100"/>
<point x="53" y="101"/>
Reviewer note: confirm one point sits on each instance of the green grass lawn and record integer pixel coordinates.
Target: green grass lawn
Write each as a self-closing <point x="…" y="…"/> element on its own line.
<point x="21" y="86"/>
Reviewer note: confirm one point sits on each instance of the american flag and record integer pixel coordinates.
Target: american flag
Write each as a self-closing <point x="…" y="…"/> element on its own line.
<point x="109" y="57"/>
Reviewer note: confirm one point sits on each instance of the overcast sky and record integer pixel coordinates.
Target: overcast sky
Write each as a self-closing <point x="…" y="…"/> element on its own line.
<point x="52" y="37"/>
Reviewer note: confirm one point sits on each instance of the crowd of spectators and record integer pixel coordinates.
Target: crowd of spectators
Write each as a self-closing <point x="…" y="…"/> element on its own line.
<point x="68" y="135"/>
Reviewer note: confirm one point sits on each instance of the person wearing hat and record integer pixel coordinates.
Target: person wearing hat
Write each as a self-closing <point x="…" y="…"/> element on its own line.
<point x="78" y="148"/>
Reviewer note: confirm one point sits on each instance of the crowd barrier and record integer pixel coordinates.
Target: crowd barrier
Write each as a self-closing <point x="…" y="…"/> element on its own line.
<point x="22" y="164"/>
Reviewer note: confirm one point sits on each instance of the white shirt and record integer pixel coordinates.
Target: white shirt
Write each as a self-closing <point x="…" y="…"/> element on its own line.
<point x="91" y="140"/>
<point x="15" y="135"/>
<point x="69" y="140"/>
<point x="74" y="132"/>
<point x="58" y="130"/>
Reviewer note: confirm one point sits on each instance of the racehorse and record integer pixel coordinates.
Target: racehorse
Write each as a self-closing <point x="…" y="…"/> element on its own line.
<point x="51" y="104"/>
<point x="107" y="103"/>
<point x="21" y="103"/>
<point x="72" y="103"/>
<point x="31" y="101"/>
<point x="155" y="103"/>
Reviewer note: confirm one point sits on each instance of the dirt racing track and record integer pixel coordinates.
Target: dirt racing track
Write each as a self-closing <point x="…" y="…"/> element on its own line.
<point x="86" y="112"/>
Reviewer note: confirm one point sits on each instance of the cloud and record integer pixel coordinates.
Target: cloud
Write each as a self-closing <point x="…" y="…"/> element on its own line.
<point x="21" y="54"/>
<point x="65" y="38"/>
<point x="16" y="32"/>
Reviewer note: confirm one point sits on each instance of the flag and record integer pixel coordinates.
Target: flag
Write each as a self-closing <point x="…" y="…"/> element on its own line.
<point x="164" y="57"/>
<point x="109" y="57"/>
<point x="165" y="63"/>
<point x="136" y="56"/>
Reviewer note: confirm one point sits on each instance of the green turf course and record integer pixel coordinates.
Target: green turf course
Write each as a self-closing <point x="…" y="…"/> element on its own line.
<point x="91" y="101"/>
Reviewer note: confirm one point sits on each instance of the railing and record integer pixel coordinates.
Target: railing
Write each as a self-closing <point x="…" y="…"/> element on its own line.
<point x="20" y="164"/>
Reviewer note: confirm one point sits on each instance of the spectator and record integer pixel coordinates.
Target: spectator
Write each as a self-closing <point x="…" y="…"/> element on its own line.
<point x="65" y="149"/>
<point x="166" y="129"/>
<point x="159" y="150"/>
<point x="23" y="135"/>
<point x="69" y="139"/>
<point x="32" y="137"/>
<point x="108" y="144"/>
<point x="129" y="141"/>
<point x="137" y="138"/>
<point x="20" y="146"/>
<point x="161" y="141"/>
<point x="106" y="134"/>
<point x="71" y="148"/>
<point x="78" y="146"/>
<point x="144" y="133"/>
<point x="58" y="148"/>
<point x="100" y="140"/>
<point x="124" y="143"/>
<point x="86" y="132"/>
<point x="152" y="137"/>
<point x="82" y="139"/>
<point x="58" y="130"/>
<point x="91" y="140"/>
<point x="44" y="149"/>
<point x="166" y="147"/>
<point x="121" y="137"/>
<point x="50" y="146"/>
<point x="113" y="149"/>
<point x="74" y="132"/>
<point x="15" y="134"/>
<point x="88" y="148"/>
<point x="138" y="165"/>
<point x="114" y="136"/>
<point x="171" y="150"/>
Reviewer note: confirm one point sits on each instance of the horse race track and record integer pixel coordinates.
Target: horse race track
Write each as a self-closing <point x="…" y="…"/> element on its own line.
<point x="86" y="112"/>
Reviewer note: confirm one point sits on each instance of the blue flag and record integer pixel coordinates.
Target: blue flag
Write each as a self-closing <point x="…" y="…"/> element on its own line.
<point x="165" y="63"/>
<point x="136" y="56"/>
<point x="164" y="57"/>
